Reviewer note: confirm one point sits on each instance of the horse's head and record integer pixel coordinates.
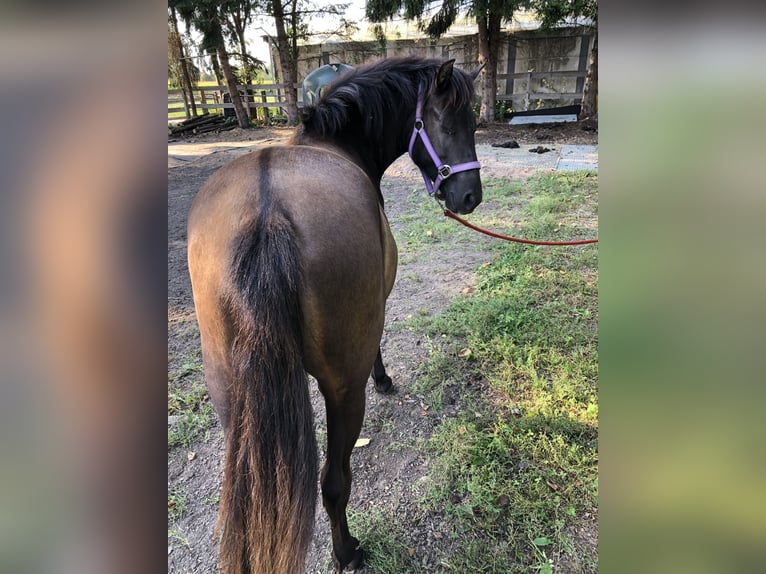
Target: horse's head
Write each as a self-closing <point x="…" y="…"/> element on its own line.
<point x="442" y="143"/>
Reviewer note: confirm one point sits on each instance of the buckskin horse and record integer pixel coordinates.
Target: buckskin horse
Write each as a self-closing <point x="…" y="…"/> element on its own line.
<point x="291" y="260"/>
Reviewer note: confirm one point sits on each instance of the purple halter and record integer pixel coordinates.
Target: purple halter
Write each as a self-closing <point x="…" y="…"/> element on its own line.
<point x="444" y="170"/>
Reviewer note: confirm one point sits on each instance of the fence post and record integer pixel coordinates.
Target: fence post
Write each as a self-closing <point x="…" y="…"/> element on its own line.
<point x="529" y="87"/>
<point x="266" y="118"/>
<point x="185" y="101"/>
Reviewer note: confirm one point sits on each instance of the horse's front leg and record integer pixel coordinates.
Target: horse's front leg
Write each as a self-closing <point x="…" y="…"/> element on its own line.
<point x="383" y="383"/>
<point x="344" y="421"/>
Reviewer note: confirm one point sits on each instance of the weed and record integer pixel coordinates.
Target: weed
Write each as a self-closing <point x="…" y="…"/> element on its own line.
<point x="192" y="363"/>
<point x="192" y="416"/>
<point x="177" y="503"/>
<point x="182" y="400"/>
<point x="175" y="535"/>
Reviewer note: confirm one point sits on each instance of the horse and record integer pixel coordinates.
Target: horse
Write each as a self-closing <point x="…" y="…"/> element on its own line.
<point x="291" y="260"/>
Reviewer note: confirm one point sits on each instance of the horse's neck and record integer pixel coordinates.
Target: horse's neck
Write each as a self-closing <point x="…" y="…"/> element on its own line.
<point x="372" y="157"/>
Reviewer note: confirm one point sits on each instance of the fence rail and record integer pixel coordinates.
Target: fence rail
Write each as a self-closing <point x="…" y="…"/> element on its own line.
<point x="527" y="95"/>
<point x="272" y="97"/>
<point x="263" y="96"/>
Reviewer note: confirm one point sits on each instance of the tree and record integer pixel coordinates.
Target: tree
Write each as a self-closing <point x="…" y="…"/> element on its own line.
<point x="287" y="63"/>
<point x="178" y="68"/>
<point x="207" y="18"/>
<point x="237" y="16"/>
<point x="554" y="12"/>
<point x="290" y="20"/>
<point x="489" y="14"/>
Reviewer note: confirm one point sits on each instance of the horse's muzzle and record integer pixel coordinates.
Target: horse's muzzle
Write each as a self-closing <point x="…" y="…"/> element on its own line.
<point x="462" y="202"/>
<point x="470" y="201"/>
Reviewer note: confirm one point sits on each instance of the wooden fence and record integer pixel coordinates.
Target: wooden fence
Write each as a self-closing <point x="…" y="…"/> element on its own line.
<point x="254" y="96"/>
<point x="272" y="96"/>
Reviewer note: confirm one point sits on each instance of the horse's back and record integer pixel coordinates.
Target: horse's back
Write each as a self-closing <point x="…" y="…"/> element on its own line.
<point x="347" y="252"/>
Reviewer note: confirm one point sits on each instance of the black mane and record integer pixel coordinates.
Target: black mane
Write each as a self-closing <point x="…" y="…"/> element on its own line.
<point x="377" y="92"/>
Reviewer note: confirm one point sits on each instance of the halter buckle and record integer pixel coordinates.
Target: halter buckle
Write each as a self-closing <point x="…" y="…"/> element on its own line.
<point x="445" y="171"/>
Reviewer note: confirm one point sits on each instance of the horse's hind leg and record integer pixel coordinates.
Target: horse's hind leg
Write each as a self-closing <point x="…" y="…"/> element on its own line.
<point x="344" y="421"/>
<point x="383" y="383"/>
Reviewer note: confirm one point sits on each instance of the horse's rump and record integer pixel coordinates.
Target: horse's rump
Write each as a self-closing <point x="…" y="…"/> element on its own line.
<point x="288" y="273"/>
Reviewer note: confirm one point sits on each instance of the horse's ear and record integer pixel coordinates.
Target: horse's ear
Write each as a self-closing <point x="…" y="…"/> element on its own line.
<point x="475" y="73"/>
<point x="444" y="75"/>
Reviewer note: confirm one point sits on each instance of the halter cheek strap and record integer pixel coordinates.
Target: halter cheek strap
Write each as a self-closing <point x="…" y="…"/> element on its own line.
<point x="443" y="170"/>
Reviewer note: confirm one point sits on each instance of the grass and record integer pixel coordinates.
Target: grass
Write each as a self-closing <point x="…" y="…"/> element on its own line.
<point x="515" y="470"/>
<point x="383" y="543"/>
<point x="188" y="403"/>
<point x="177" y="503"/>
<point x="192" y="365"/>
<point x="424" y="224"/>
<point x="193" y="415"/>
<point x="176" y="538"/>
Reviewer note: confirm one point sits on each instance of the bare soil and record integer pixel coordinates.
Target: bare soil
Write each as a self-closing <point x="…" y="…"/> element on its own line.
<point x="391" y="471"/>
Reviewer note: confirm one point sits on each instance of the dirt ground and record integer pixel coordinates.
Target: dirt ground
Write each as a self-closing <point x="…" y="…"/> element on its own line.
<point x="426" y="283"/>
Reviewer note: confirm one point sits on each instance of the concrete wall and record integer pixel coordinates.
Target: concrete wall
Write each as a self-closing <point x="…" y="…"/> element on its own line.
<point x="563" y="49"/>
<point x="552" y="51"/>
<point x="465" y="50"/>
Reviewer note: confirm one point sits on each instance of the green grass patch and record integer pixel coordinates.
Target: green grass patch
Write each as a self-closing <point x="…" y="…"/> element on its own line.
<point x="177" y="503"/>
<point x="516" y="468"/>
<point x="191" y="365"/>
<point x="386" y="547"/>
<point x="423" y="225"/>
<point x="190" y="415"/>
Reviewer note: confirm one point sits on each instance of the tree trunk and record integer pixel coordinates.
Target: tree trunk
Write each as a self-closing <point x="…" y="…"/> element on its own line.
<point x="285" y="63"/>
<point x="231" y="84"/>
<point x="185" y="76"/>
<point x="246" y="67"/>
<point x="253" y="112"/>
<point x="590" y="86"/>
<point x="489" y="45"/>
<point x="216" y="67"/>
<point x="294" y="33"/>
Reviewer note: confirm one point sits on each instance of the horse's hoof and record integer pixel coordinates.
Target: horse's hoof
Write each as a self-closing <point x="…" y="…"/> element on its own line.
<point x="356" y="560"/>
<point x="384" y="385"/>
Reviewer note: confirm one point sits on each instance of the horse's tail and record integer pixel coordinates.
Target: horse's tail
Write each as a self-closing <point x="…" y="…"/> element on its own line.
<point x="269" y="486"/>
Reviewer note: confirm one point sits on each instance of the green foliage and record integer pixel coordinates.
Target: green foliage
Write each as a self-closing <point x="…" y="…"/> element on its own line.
<point x="205" y="16"/>
<point x="443" y="14"/>
<point x="553" y="12"/>
<point x="501" y="108"/>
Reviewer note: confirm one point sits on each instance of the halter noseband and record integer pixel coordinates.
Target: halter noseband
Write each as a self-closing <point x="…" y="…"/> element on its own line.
<point x="444" y="171"/>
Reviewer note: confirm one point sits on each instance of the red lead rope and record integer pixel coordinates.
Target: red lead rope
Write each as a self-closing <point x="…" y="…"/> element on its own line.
<point x="450" y="214"/>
